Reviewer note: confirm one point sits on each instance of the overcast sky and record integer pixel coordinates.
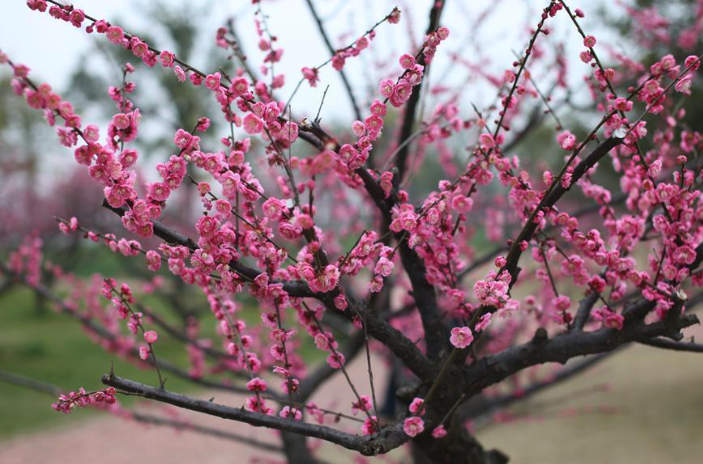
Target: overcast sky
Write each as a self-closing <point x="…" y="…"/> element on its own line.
<point x="52" y="48"/>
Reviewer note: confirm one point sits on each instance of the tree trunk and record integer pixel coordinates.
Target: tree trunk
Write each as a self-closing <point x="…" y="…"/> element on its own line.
<point x="458" y="447"/>
<point x="296" y="449"/>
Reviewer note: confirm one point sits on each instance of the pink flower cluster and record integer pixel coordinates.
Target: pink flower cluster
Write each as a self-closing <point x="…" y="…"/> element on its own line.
<point x="354" y="156"/>
<point x="362" y="405"/>
<point x="338" y="60"/>
<point x="66" y="403"/>
<point x="272" y="240"/>
<point x="399" y="92"/>
<point x="27" y="259"/>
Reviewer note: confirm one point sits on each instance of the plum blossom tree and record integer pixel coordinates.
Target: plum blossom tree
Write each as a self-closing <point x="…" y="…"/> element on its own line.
<point x="321" y="235"/>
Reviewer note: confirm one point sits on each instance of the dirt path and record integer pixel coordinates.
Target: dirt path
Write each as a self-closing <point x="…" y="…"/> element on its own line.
<point x="651" y="413"/>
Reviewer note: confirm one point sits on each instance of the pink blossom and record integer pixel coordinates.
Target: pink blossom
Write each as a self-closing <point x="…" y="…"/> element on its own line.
<point x="684" y="84"/>
<point x="490" y="293"/>
<point x="115" y="34"/>
<point x="439" y="432"/>
<point x="462" y="204"/>
<point x="91" y="133"/>
<point x="291" y="413"/>
<point x="257" y="385"/>
<point x="413" y="426"/>
<point x="461" y="337"/>
<point x="67" y="402"/>
<point x="338" y="61"/>
<point x="311" y="75"/>
<point x="386" y="86"/>
<point x="369" y="426"/>
<point x="407" y="61"/>
<point x="401" y="93"/>
<point x="203" y="124"/>
<point x="139" y="48"/>
<point x="609" y="318"/>
<point x="335" y="360"/>
<point x="322" y="281"/>
<point x="180" y="74"/>
<point x="417" y="406"/>
<point x="153" y="260"/>
<point x="622" y="104"/>
<point x="566" y="140"/>
<point x="394" y="17"/>
<point x="150" y="336"/>
<point x="121" y="121"/>
<point x="364" y="404"/>
<point x="273" y="208"/>
<point x="239" y="86"/>
<point x="158" y="191"/>
<point x="252" y="124"/>
<point x="487" y="141"/>
<point x="167" y="59"/>
<point x="483" y="322"/>
<point x="684" y="255"/>
<point x="562" y="303"/>
<point x="384" y="267"/>
<point x="212" y="81"/>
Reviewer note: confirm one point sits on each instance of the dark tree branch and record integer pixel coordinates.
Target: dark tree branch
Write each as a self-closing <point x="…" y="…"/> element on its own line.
<point x="690" y="347"/>
<point x="423" y="293"/>
<point x="436" y="332"/>
<point x="398" y="343"/>
<point x="296" y="449"/>
<point x="53" y="390"/>
<point x="584" y="310"/>
<point x="32" y="384"/>
<point x="490" y="405"/>
<point x="561" y="348"/>
<point x="388" y="439"/>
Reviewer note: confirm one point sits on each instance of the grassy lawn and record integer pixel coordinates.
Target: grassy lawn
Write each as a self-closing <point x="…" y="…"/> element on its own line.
<point x="52" y="347"/>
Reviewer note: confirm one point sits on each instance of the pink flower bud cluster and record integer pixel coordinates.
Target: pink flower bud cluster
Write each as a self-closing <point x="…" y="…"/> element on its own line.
<point x="66" y="403"/>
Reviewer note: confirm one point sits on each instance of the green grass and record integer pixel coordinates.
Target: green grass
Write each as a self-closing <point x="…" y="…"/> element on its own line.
<point x="52" y="347"/>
